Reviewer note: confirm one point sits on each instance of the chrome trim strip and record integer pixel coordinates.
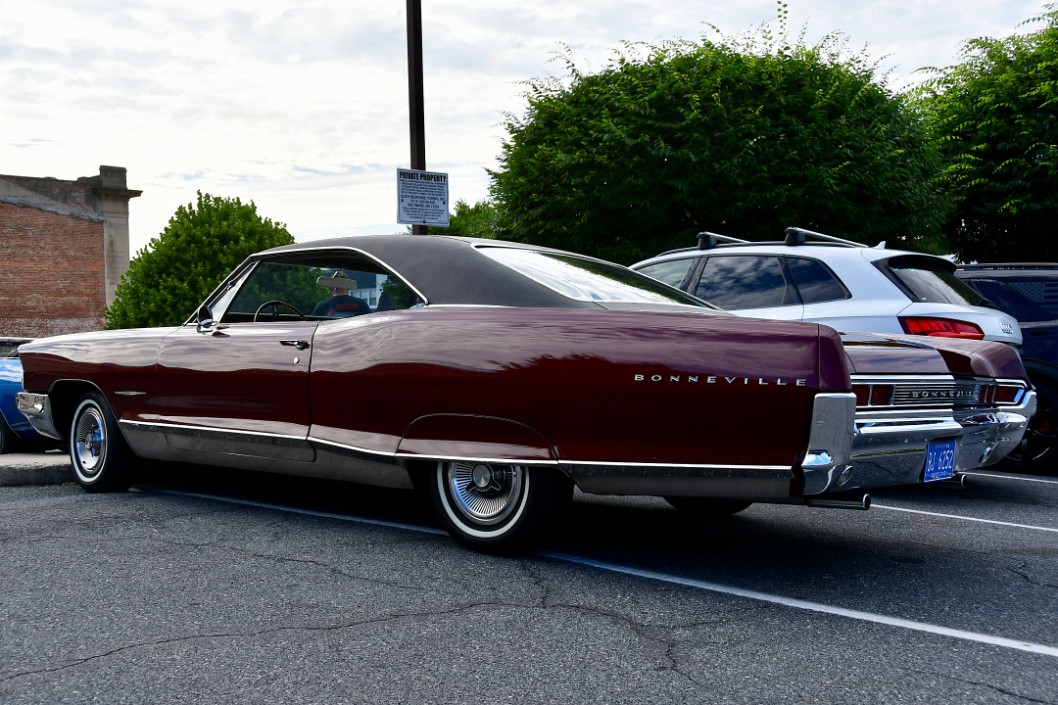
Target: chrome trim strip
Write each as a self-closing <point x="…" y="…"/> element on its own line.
<point x="130" y="393"/>
<point x="694" y="466"/>
<point x="900" y="379"/>
<point x="472" y="459"/>
<point x="212" y="430"/>
<point x="346" y="446"/>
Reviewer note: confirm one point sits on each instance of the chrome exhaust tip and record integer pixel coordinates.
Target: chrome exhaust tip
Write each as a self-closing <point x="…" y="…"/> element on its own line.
<point x="863" y="503"/>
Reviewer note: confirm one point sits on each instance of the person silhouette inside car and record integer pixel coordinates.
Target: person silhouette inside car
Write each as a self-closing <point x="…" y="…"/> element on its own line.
<point x="341" y="303"/>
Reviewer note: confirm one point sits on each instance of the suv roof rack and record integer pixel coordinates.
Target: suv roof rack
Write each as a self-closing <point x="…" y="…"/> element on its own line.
<point x="707" y="240"/>
<point x="799" y="236"/>
<point x="794" y="237"/>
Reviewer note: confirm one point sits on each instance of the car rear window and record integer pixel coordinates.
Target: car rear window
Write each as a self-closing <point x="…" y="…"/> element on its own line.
<point x="930" y="280"/>
<point x="583" y="279"/>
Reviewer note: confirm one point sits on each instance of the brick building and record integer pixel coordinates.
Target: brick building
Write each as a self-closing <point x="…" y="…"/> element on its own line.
<point x="63" y="248"/>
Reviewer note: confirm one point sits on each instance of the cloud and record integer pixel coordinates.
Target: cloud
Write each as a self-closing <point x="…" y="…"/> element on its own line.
<point x="302" y="106"/>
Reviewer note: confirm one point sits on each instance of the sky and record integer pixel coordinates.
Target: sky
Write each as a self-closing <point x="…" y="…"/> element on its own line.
<point x="302" y="106"/>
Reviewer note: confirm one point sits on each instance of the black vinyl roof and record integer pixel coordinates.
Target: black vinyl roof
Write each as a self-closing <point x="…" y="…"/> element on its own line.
<point x="446" y="269"/>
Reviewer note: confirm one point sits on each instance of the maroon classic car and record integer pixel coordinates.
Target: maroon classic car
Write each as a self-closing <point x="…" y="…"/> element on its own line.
<point x="496" y="376"/>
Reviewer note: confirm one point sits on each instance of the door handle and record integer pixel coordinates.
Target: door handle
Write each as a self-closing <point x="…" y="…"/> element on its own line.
<point x="299" y="344"/>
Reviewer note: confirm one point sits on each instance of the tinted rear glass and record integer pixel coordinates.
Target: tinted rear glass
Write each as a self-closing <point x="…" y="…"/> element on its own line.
<point x="584" y="279"/>
<point x="931" y="280"/>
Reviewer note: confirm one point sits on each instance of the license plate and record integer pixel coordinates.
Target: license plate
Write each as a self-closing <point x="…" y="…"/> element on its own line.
<point x="940" y="461"/>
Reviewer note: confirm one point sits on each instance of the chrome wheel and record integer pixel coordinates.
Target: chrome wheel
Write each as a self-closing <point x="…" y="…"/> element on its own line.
<point x="89" y="444"/>
<point x="102" y="461"/>
<point x="484" y="493"/>
<point x="496" y="507"/>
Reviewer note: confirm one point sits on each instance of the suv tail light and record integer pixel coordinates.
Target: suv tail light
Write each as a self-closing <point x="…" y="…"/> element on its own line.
<point x="941" y="328"/>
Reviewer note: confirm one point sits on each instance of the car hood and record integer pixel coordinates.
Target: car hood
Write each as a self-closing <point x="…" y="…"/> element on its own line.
<point x="879" y="353"/>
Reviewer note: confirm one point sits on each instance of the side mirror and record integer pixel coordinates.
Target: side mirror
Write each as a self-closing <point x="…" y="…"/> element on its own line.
<point x="204" y="318"/>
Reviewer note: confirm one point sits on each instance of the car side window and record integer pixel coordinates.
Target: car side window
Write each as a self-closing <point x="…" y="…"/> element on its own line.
<point x="316" y="290"/>
<point x="672" y="271"/>
<point x="745" y="281"/>
<point x="815" y="282"/>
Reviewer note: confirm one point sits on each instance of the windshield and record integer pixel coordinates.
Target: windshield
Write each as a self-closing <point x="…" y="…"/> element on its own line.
<point x="931" y="280"/>
<point x="583" y="279"/>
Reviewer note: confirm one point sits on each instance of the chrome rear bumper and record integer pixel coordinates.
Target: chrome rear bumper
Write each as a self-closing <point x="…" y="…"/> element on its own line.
<point x="37" y="408"/>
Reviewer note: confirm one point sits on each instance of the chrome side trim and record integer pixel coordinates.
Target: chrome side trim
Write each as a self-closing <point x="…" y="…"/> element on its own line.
<point x="694" y="466"/>
<point x="205" y="430"/>
<point x="474" y="459"/>
<point x="212" y="444"/>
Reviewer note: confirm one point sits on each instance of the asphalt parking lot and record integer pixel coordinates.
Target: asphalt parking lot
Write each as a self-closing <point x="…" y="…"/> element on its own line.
<point x="204" y="585"/>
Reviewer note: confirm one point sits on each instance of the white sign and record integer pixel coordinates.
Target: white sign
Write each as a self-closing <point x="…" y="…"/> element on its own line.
<point x="422" y="197"/>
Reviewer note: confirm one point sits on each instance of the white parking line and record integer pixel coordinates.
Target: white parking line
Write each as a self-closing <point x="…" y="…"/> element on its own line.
<point x="1015" y="644"/>
<point x="1015" y="478"/>
<point x="306" y="512"/>
<point x="812" y="606"/>
<point x="962" y="518"/>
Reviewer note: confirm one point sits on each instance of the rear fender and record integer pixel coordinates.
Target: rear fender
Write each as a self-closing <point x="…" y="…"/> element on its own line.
<point x="471" y="437"/>
<point x="63" y="397"/>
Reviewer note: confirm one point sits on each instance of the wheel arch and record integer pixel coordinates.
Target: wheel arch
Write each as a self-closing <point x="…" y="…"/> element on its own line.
<point x="63" y="397"/>
<point x="474" y="437"/>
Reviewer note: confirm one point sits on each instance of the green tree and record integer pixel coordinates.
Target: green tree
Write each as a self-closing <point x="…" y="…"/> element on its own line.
<point x="478" y="220"/>
<point x="997" y="114"/>
<point x="741" y="136"/>
<point x="201" y="244"/>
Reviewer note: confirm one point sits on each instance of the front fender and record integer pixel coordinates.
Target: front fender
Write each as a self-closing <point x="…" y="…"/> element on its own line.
<point x="472" y="437"/>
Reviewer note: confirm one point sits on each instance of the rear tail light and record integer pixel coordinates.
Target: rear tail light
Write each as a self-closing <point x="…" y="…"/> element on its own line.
<point x="941" y="328"/>
<point x="873" y="394"/>
<point x="1006" y="394"/>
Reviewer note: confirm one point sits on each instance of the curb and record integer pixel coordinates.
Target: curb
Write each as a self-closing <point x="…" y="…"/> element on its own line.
<point x="22" y="469"/>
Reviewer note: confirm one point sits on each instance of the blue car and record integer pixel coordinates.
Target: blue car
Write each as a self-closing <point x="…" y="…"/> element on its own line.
<point x="15" y="431"/>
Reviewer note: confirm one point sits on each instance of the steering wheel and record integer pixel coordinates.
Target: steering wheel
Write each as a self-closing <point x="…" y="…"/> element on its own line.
<point x="276" y="304"/>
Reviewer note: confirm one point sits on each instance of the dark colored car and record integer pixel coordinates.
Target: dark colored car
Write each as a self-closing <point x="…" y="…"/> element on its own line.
<point x="16" y="433"/>
<point x="496" y="376"/>
<point x="1029" y="293"/>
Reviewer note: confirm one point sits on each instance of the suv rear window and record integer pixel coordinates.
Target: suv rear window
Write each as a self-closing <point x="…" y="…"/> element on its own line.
<point x="930" y="280"/>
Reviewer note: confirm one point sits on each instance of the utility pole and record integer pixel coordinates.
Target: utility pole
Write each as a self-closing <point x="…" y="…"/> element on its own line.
<point x="417" y="111"/>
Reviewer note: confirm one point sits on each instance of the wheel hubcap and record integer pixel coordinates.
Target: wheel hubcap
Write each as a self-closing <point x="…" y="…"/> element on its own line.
<point x="90" y="442"/>
<point x="485" y="493"/>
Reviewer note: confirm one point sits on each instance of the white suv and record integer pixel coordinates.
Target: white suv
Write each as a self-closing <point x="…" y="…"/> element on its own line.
<point x="846" y="285"/>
